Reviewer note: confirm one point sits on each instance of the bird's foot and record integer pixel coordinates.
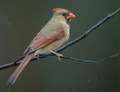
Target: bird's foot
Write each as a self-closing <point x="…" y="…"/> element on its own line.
<point x="58" y="55"/>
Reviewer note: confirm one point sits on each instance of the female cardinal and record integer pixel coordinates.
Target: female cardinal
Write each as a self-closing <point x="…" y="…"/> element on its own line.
<point x="54" y="34"/>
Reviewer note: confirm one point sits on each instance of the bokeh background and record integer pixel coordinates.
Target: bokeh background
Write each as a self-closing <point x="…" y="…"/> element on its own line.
<point x="21" y="20"/>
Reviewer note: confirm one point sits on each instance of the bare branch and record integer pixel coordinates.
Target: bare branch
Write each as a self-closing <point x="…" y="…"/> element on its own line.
<point x="109" y="16"/>
<point x="91" y="61"/>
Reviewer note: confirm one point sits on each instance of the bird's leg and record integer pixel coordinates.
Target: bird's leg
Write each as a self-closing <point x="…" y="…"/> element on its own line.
<point x="38" y="56"/>
<point x="59" y="55"/>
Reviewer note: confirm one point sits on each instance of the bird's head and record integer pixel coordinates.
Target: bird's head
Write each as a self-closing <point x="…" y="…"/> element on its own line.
<point x="63" y="14"/>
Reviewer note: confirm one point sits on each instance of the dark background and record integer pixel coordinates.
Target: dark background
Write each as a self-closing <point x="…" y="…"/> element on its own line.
<point x="21" y="20"/>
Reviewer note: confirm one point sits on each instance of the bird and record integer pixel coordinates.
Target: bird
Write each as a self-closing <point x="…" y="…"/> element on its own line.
<point x="53" y="35"/>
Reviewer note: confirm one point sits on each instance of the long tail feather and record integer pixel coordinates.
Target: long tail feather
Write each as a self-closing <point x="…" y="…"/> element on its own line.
<point x="20" y="68"/>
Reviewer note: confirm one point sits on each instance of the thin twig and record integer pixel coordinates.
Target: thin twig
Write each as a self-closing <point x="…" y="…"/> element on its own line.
<point x="109" y="16"/>
<point x="91" y="61"/>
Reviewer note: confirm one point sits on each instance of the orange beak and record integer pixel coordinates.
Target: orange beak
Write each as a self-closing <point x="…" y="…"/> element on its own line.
<point x="70" y="16"/>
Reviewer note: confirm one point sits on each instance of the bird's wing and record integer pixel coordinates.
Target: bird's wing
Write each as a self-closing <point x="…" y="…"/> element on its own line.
<point x="42" y="40"/>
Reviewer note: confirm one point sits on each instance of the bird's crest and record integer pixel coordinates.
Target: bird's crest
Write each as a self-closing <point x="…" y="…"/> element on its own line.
<point x="56" y="9"/>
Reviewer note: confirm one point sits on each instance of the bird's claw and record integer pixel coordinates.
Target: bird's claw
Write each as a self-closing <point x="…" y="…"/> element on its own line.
<point x="59" y="56"/>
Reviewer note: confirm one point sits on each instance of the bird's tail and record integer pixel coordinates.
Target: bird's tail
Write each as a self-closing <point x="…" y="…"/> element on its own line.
<point x="20" y="68"/>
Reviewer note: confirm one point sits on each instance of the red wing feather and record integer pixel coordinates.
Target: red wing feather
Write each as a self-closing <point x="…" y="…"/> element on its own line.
<point x="43" y="43"/>
<point x="42" y="40"/>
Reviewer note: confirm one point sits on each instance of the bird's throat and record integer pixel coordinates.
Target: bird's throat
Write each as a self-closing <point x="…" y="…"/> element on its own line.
<point x="68" y="21"/>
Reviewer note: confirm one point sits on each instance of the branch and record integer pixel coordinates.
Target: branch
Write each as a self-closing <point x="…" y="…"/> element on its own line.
<point x="109" y="16"/>
<point x="91" y="61"/>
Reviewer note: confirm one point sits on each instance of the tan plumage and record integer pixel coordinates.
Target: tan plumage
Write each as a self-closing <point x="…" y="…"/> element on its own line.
<point x="54" y="34"/>
<point x="55" y="23"/>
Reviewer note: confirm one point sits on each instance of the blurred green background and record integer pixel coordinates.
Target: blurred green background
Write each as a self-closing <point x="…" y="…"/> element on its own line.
<point x="21" y="20"/>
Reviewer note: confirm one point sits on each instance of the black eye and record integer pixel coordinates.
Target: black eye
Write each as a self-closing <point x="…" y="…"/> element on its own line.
<point x="64" y="14"/>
